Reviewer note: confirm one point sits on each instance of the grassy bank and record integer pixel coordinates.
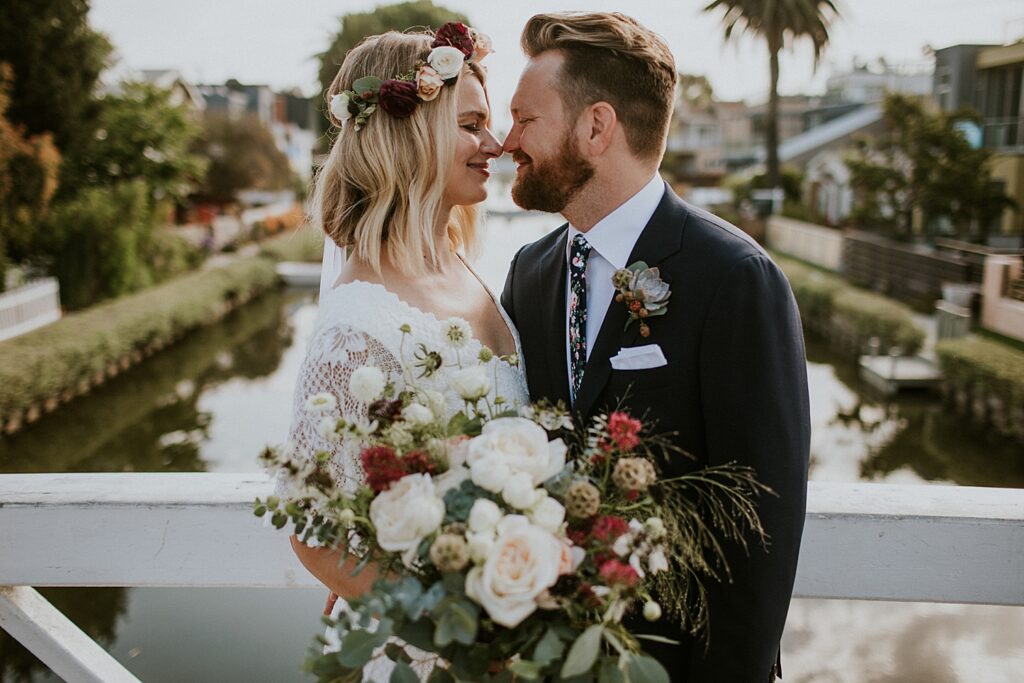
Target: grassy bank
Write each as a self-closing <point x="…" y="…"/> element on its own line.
<point x="51" y="365"/>
<point x="847" y="316"/>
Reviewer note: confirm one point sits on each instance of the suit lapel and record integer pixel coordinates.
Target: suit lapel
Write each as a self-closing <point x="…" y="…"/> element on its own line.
<point x="550" y="283"/>
<point x="661" y="238"/>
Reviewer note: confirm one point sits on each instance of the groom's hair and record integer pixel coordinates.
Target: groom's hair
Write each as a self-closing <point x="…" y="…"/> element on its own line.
<point x="611" y="58"/>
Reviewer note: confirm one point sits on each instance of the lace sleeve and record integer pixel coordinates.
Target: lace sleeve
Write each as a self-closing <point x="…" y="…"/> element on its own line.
<point x="334" y="353"/>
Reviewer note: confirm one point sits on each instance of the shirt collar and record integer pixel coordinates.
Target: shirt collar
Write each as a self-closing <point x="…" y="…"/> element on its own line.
<point x="615" y="235"/>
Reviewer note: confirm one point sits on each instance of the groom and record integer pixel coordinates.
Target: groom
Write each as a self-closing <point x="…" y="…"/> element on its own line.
<point x="724" y="367"/>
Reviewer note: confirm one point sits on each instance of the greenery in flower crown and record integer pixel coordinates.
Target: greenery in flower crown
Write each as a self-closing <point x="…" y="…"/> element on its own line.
<point x="454" y="45"/>
<point x="446" y="501"/>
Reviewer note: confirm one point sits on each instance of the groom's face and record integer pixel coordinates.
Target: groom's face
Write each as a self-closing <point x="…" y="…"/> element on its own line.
<point x="550" y="169"/>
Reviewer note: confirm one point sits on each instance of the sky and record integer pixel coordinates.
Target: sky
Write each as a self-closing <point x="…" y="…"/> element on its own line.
<point x="274" y="42"/>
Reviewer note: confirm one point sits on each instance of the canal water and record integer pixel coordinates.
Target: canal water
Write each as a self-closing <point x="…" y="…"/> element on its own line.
<point x="212" y="401"/>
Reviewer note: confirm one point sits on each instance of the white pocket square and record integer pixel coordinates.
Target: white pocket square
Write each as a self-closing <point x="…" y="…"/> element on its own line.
<point x="638" y="358"/>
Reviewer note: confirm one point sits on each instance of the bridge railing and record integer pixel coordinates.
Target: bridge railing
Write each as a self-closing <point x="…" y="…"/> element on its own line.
<point x="861" y="541"/>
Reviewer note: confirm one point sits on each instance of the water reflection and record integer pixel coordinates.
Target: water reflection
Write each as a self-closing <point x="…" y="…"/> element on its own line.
<point x="910" y="439"/>
<point x="150" y="418"/>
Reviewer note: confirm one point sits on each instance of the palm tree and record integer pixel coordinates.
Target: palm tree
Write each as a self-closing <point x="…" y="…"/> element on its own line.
<point x="778" y="22"/>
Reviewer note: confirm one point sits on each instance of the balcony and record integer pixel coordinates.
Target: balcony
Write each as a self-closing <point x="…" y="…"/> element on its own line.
<point x="1004" y="134"/>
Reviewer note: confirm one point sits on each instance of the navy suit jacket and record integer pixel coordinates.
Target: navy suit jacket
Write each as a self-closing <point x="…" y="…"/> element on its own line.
<point x="734" y="389"/>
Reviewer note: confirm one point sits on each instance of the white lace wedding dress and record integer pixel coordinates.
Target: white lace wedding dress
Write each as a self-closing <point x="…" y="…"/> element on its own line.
<point x="359" y="324"/>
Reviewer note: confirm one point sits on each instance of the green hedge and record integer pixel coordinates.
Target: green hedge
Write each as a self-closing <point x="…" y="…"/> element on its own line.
<point x="75" y="352"/>
<point x="984" y="364"/>
<point x="847" y="315"/>
<point x="302" y="244"/>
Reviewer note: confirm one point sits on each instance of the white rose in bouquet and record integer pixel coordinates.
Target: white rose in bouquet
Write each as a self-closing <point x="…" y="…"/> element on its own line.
<point x="489" y="474"/>
<point x="484" y="515"/>
<point x="406" y="513"/>
<point x="472" y="383"/>
<point x="520" y="492"/>
<point x="522" y="445"/>
<point x="548" y="514"/>
<point x="480" y="546"/>
<point x="366" y="384"/>
<point x="522" y="565"/>
<point x="417" y="414"/>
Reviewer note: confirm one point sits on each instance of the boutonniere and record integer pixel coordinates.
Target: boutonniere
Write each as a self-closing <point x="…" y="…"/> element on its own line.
<point x="644" y="293"/>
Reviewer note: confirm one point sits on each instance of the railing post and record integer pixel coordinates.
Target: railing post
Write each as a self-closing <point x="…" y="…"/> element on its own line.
<point x="53" y="638"/>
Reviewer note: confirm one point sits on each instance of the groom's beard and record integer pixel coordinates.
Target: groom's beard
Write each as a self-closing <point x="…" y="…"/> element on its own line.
<point x="551" y="184"/>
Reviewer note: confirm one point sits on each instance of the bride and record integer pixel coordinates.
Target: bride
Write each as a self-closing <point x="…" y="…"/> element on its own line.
<point x="399" y="192"/>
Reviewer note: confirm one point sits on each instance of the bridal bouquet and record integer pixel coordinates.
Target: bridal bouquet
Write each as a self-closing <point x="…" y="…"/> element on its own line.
<point x="512" y="543"/>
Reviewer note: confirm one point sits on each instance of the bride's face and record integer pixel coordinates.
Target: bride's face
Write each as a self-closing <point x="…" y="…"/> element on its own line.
<point x="474" y="147"/>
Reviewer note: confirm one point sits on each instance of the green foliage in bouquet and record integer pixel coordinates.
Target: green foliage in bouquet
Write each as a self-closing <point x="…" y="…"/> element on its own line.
<point x="507" y="555"/>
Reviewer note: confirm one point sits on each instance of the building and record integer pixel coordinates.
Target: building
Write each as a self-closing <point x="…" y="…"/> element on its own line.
<point x="990" y="80"/>
<point x="290" y="116"/>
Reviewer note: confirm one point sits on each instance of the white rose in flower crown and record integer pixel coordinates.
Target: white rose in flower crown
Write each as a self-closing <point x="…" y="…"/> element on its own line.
<point x="522" y="565"/>
<point x="428" y="83"/>
<point x="417" y="414"/>
<point x="405" y="514"/>
<point x="484" y="516"/>
<point x="522" y="445"/>
<point x="446" y="61"/>
<point x="366" y="384"/>
<point x="339" y="107"/>
<point x="489" y="474"/>
<point x="548" y="514"/>
<point x="471" y="383"/>
<point x="519" y="491"/>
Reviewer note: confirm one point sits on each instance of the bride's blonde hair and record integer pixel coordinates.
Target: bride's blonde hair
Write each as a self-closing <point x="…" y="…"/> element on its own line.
<point x="381" y="188"/>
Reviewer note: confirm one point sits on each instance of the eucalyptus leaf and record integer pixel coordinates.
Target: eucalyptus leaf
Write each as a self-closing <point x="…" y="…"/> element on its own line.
<point x="357" y="646"/>
<point x="439" y="675"/>
<point x="457" y="622"/>
<point x="656" y="639"/>
<point x="419" y="633"/>
<point x="583" y="652"/>
<point x="642" y="669"/>
<point x="526" y="669"/>
<point x="549" y="648"/>
<point x="610" y="672"/>
<point x="367" y="84"/>
<point x="635" y="267"/>
<point x="403" y="673"/>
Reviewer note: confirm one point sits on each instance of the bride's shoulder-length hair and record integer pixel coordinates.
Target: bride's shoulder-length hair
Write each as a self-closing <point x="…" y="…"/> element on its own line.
<point x="381" y="188"/>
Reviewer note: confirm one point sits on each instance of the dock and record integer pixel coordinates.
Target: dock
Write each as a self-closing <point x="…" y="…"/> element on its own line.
<point x="892" y="374"/>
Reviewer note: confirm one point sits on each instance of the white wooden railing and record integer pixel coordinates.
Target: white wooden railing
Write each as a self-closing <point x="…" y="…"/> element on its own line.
<point x="861" y="541"/>
<point x="30" y="306"/>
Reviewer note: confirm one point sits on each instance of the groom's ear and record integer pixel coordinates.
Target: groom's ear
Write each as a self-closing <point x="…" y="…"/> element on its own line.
<point x="599" y="125"/>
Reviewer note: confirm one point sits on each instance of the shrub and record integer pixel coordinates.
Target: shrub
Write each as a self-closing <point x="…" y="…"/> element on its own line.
<point x="60" y="358"/>
<point x="304" y="244"/>
<point x="849" y="316"/>
<point x="985" y="379"/>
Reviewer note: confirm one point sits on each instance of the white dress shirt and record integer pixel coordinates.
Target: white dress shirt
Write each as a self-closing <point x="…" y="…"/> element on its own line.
<point x="611" y="241"/>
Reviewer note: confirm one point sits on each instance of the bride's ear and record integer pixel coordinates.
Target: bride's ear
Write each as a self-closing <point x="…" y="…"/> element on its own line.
<point x="600" y="122"/>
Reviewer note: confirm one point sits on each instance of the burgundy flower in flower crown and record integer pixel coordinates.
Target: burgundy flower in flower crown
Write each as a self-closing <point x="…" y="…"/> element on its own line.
<point x="454" y="34"/>
<point x="398" y="98"/>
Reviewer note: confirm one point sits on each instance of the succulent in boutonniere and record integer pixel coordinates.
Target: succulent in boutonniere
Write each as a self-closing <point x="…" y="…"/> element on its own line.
<point x="644" y="293"/>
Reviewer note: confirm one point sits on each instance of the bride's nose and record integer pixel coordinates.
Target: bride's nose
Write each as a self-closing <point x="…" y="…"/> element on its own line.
<point x="489" y="145"/>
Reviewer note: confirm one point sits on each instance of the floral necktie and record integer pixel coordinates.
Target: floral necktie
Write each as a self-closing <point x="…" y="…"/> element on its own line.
<point x="578" y="310"/>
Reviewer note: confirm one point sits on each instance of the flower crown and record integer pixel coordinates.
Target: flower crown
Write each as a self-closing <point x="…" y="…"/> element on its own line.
<point x="455" y="45"/>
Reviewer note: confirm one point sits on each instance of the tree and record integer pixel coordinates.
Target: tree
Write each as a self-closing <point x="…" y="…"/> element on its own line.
<point x="141" y="135"/>
<point x="28" y="181"/>
<point x="924" y="163"/>
<point x="358" y="25"/>
<point x="779" y="22"/>
<point x="57" y="60"/>
<point x="242" y="156"/>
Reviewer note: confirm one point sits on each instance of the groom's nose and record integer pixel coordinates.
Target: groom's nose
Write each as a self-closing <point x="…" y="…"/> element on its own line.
<point x="511" y="143"/>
